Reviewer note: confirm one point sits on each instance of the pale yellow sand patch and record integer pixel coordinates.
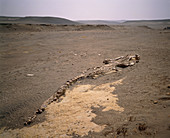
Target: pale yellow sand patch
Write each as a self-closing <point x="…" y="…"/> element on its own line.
<point x="73" y="114"/>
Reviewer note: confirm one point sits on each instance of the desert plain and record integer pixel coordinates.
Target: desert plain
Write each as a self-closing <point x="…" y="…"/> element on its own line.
<point x="35" y="60"/>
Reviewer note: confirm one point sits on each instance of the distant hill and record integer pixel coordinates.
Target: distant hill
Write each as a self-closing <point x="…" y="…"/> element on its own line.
<point x="37" y="20"/>
<point x="155" y="24"/>
<point x="106" y="22"/>
<point x="140" y="21"/>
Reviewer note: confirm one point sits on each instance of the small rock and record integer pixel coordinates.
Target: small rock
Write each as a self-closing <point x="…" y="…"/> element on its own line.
<point x="155" y="102"/>
<point x="107" y="61"/>
<point x="65" y="86"/>
<point x="168" y="86"/>
<point x="142" y="127"/>
<point x="164" y="98"/>
<point x="30" y="75"/>
<point x="28" y="122"/>
<point x="54" y="99"/>
<point x="122" y="130"/>
<point x="132" y="63"/>
<point x="164" y="106"/>
<point x="122" y="65"/>
<point x="34" y="116"/>
<point x="2" y="116"/>
<point x="168" y="94"/>
<point x="58" y="95"/>
<point x="74" y="80"/>
<point x="39" y="111"/>
<point x="70" y="81"/>
<point x="132" y="118"/>
<point x="68" y="84"/>
<point x="43" y="107"/>
<point x="60" y="91"/>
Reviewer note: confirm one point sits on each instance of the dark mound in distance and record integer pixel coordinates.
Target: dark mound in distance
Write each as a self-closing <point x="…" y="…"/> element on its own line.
<point x="101" y="22"/>
<point x="36" y="20"/>
<point x="154" y="24"/>
<point x="6" y="27"/>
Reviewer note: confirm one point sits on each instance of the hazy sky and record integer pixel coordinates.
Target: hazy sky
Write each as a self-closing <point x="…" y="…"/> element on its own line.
<point x="88" y="9"/>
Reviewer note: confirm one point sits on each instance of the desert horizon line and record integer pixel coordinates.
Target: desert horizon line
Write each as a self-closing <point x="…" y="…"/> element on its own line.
<point x="49" y="16"/>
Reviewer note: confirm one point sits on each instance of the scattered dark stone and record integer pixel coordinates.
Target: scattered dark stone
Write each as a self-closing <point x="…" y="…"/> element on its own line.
<point x="6" y="24"/>
<point x="28" y="122"/>
<point x="132" y="118"/>
<point x="43" y="109"/>
<point x="164" y="98"/>
<point x="122" y="130"/>
<point x="142" y="127"/>
<point x="108" y="132"/>
<point x="74" y="80"/>
<point x="68" y="84"/>
<point x="39" y="111"/>
<point x="107" y="61"/>
<point x="164" y="106"/>
<point x="65" y="86"/>
<point x="55" y="98"/>
<point x="59" y="100"/>
<point x="43" y="106"/>
<point x="58" y="96"/>
<point x="60" y="91"/>
<point x="122" y="65"/>
<point x="167" y="28"/>
<point x="49" y="102"/>
<point x="169" y="127"/>
<point x="2" y="116"/>
<point x="34" y="116"/>
<point x="45" y="25"/>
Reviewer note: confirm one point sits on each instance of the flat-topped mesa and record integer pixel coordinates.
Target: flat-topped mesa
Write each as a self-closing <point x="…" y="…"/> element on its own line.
<point x="109" y="67"/>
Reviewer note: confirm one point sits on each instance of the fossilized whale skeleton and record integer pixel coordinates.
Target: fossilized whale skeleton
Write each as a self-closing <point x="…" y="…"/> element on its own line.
<point x="110" y="65"/>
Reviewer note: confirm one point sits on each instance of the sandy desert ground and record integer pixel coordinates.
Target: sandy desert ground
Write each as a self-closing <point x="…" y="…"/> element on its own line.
<point x="133" y="102"/>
